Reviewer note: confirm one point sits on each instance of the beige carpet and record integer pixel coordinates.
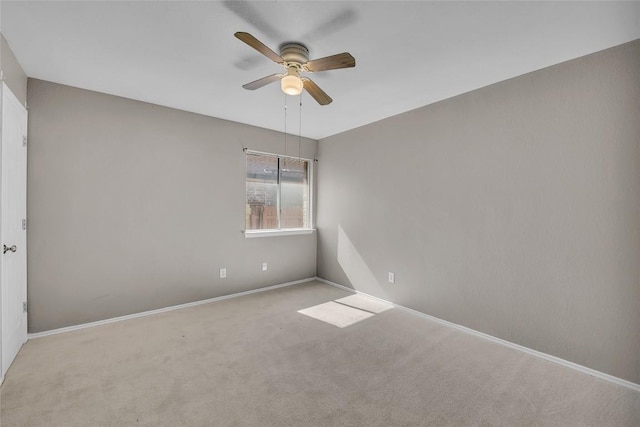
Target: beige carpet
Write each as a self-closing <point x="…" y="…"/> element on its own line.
<point x="256" y="361"/>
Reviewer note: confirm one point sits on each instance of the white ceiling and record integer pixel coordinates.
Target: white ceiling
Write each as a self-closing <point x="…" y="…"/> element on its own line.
<point x="408" y="54"/>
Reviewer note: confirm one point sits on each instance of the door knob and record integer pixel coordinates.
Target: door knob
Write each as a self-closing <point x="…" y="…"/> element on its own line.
<point x="7" y="248"/>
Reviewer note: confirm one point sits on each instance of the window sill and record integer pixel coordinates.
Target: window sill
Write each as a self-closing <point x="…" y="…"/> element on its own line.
<point x="249" y="234"/>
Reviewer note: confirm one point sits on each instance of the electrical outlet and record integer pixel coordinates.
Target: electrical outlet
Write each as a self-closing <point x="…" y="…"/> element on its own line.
<point x="264" y="266"/>
<point x="392" y="277"/>
<point x="223" y="273"/>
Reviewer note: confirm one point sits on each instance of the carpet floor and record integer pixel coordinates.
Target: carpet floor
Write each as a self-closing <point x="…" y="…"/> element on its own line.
<point x="256" y="361"/>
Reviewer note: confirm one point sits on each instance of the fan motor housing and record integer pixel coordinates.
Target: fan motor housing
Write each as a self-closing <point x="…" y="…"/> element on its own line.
<point x="294" y="52"/>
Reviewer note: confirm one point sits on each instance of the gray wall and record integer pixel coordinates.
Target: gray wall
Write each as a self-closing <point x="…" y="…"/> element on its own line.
<point x="14" y="76"/>
<point x="513" y="210"/>
<point x="133" y="207"/>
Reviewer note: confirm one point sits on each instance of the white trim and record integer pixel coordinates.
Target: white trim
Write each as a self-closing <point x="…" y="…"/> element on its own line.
<point x="536" y="353"/>
<point x="163" y="310"/>
<point x="263" y="153"/>
<point x="312" y="193"/>
<point x="250" y="234"/>
<point x="548" y="357"/>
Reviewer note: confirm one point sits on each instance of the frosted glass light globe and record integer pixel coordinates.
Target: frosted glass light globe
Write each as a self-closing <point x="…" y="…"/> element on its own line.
<point x="291" y="84"/>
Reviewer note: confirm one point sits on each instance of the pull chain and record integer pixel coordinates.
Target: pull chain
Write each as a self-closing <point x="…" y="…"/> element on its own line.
<point x="285" y="125"/>
<point x="300" y="126"/>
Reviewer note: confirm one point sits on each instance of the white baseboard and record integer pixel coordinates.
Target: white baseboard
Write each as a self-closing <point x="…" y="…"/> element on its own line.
<point x="162" y="310"/>
<point x="548" y="357"/>
<point x="545" y="356"/>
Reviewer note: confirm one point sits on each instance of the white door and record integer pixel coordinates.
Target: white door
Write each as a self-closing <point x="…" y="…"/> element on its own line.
<point x="13" y="198"/>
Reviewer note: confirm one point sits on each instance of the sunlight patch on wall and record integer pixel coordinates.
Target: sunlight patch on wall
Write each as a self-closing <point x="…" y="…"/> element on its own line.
<point x="356" y="269"/>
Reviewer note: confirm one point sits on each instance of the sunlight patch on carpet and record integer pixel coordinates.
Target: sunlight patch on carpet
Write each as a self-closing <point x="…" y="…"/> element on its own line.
<point x="336" y="314"/>
<point x="366" y="303"/>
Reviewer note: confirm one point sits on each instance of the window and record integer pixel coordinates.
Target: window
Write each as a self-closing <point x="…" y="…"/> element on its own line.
<point x="278" y="192"/>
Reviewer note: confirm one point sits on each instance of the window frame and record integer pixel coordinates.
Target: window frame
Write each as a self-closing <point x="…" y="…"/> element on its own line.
<point x="282" y="231"/>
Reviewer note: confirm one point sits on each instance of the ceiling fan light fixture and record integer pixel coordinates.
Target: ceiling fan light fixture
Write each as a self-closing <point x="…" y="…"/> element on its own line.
<point x="291" y="84"/>
<point x="294" y="56"/>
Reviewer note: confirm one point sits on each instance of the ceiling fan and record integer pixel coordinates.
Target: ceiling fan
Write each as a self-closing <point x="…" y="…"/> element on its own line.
<point x="294" y="57"/>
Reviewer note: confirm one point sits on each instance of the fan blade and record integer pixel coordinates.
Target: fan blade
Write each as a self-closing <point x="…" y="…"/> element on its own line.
<point x="318" y="94"/>
<point x="333" y="62"/>
<point x="259" y="46"/>
<point x="263" y="81"/>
